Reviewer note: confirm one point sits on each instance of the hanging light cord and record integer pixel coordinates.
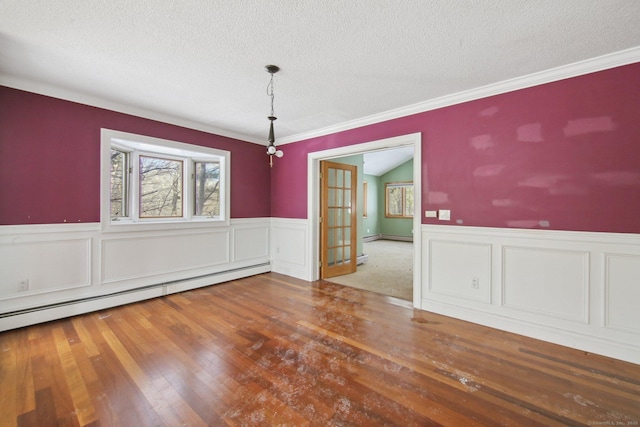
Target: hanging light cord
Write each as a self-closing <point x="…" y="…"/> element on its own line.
<point x="271" y="93"/>
<point x="271" y="148"/>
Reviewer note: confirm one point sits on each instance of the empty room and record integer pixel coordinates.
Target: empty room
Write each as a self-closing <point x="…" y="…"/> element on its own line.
<point x="319" y="213"/>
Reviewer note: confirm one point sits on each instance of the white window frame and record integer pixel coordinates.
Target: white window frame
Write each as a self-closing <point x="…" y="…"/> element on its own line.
<point x="402" y="185"/>
<point x="138" y="145"/>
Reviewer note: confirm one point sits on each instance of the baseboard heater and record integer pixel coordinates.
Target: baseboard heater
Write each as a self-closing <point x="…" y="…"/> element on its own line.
<point x="396" y="238"/>
<point x="227" y="275"/>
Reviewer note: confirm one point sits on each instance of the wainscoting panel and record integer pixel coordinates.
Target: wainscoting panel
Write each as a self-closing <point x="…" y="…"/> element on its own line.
<point x="460" y="270"/>
<point x="75" y="268"/>
<point x="622" y="292"/>
<point x="159" y="254"/>
<point x="578" y="289"/>
<point x="289" y="242"/>
<point x="546" y="281"/>
<point x="250" y="242"/>
<point x="44" y="266"/>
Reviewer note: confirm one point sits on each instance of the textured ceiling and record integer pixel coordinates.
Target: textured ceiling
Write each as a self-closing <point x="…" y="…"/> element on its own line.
<point x="201" y="61"/>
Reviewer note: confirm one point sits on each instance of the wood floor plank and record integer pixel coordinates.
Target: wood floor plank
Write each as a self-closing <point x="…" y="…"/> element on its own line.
<point x="275" y="350"/>
<point x="9" y="376"/>
<point x="82" y="403"/>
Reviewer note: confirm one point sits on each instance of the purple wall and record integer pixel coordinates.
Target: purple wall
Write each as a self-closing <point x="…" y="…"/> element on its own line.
<point x="563" y="156"/>
<point x="50" y="160"/>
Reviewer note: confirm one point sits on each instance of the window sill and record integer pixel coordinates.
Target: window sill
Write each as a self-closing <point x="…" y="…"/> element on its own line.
<point x="128" y="226"/>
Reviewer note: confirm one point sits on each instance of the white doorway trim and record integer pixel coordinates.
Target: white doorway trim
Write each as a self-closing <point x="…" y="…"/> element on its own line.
<point x="313" y="198"/>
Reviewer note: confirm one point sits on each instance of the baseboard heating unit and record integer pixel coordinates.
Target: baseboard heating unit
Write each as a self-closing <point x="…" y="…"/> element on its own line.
<point x="44" y="313"/>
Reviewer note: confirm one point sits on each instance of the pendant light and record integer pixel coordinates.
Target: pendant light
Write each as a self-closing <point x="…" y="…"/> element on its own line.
<point x="271" y="148"/>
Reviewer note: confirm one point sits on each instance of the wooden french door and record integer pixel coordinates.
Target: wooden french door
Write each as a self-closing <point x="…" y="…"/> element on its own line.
<point x="338" y="228"/>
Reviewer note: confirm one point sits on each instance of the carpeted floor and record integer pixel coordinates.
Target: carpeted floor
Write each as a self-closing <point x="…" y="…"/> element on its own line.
<point x="388" y="271"/>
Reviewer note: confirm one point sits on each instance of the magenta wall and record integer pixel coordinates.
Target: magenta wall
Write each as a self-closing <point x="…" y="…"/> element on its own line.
<point x="563" y="156"/>
<point x="50" y="160"/>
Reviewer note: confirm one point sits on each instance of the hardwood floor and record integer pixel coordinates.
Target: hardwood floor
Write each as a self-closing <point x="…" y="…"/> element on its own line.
<point x="273" y="350"/>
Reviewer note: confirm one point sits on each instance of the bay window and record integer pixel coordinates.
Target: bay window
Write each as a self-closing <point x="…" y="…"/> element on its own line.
<point x="153" y="181"/>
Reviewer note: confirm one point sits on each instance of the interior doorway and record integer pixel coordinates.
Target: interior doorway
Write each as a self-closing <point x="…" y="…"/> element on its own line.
<point x="313" y="187"/>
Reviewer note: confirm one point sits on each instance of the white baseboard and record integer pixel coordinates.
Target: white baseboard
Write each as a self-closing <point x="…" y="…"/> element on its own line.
<point x="73" y="308"/>
<point x="588" y="343"/>
<point x="396" y="238"/>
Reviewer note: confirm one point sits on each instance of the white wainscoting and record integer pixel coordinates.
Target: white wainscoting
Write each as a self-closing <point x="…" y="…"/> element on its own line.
<point x="85" y="269"/>
<point x="578" y="289"/>
<point x="289" y="247"/>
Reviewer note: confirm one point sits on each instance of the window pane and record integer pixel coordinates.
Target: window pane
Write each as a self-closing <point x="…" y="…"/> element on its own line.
<point x="331" y="198"/>
<point x="340" y="178"/>
<point x="394" y="201"/>
<point x="119" y="184"/>
<point x="207" y="189"/>
<point x="408" y="200"/>
<point x="160" y="187"/>
<point x="364" y="199"/>
<point x="332" y="177"/>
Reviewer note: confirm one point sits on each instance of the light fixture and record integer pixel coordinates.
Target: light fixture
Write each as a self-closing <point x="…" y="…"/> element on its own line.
<point x="271" y="148"/>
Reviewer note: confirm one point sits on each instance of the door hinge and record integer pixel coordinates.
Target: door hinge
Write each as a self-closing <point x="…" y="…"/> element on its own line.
<point x="320" y="220"/>
<point x="320" y="175"/>
<point x="319" y="263"/>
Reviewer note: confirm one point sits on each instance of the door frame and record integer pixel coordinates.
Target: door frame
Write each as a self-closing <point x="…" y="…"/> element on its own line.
<point x="313" y="199"/>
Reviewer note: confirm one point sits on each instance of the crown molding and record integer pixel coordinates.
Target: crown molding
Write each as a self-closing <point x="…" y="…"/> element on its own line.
<point x="93" y="101"/>
<point x="600" y="63"/>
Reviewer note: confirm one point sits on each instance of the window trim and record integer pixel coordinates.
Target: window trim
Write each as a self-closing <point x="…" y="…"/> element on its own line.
<point x="365" y="189"/>
<point x="157" y="147"/>
<point x="398" y="184"/>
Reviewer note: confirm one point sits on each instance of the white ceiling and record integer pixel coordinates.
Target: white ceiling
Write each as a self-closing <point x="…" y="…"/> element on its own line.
<point x="200" y="62"/>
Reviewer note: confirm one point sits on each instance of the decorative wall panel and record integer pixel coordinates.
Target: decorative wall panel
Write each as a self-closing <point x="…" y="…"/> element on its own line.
<point x="622" y="290"/>
<point x="144" y="256"/>
<point x="251" y="243"/>
<point x="546" y="281"/>
<point x="289" y="244"/>
<point x="44" y="266"/>
<point x="460" y="269"/>
<point x="576" y="289"/>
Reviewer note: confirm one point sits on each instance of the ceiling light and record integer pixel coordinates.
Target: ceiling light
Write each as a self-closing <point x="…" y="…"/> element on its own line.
<point x="271" y="148"/>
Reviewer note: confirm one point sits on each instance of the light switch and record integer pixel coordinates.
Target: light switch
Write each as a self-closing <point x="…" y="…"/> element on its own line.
<point x="444" y="215"/>
<point x="430" y="214"/>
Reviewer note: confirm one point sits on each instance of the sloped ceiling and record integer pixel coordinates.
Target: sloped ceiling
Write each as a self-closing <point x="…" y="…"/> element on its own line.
<point x="380" y="162"/>
<point x="201" y="62"/>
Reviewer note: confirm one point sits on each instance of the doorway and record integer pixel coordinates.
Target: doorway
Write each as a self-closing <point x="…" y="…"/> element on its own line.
<point x="313" y="200"/>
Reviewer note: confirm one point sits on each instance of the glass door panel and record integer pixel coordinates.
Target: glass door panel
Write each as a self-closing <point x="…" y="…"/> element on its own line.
<point x="339" y="219"/>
